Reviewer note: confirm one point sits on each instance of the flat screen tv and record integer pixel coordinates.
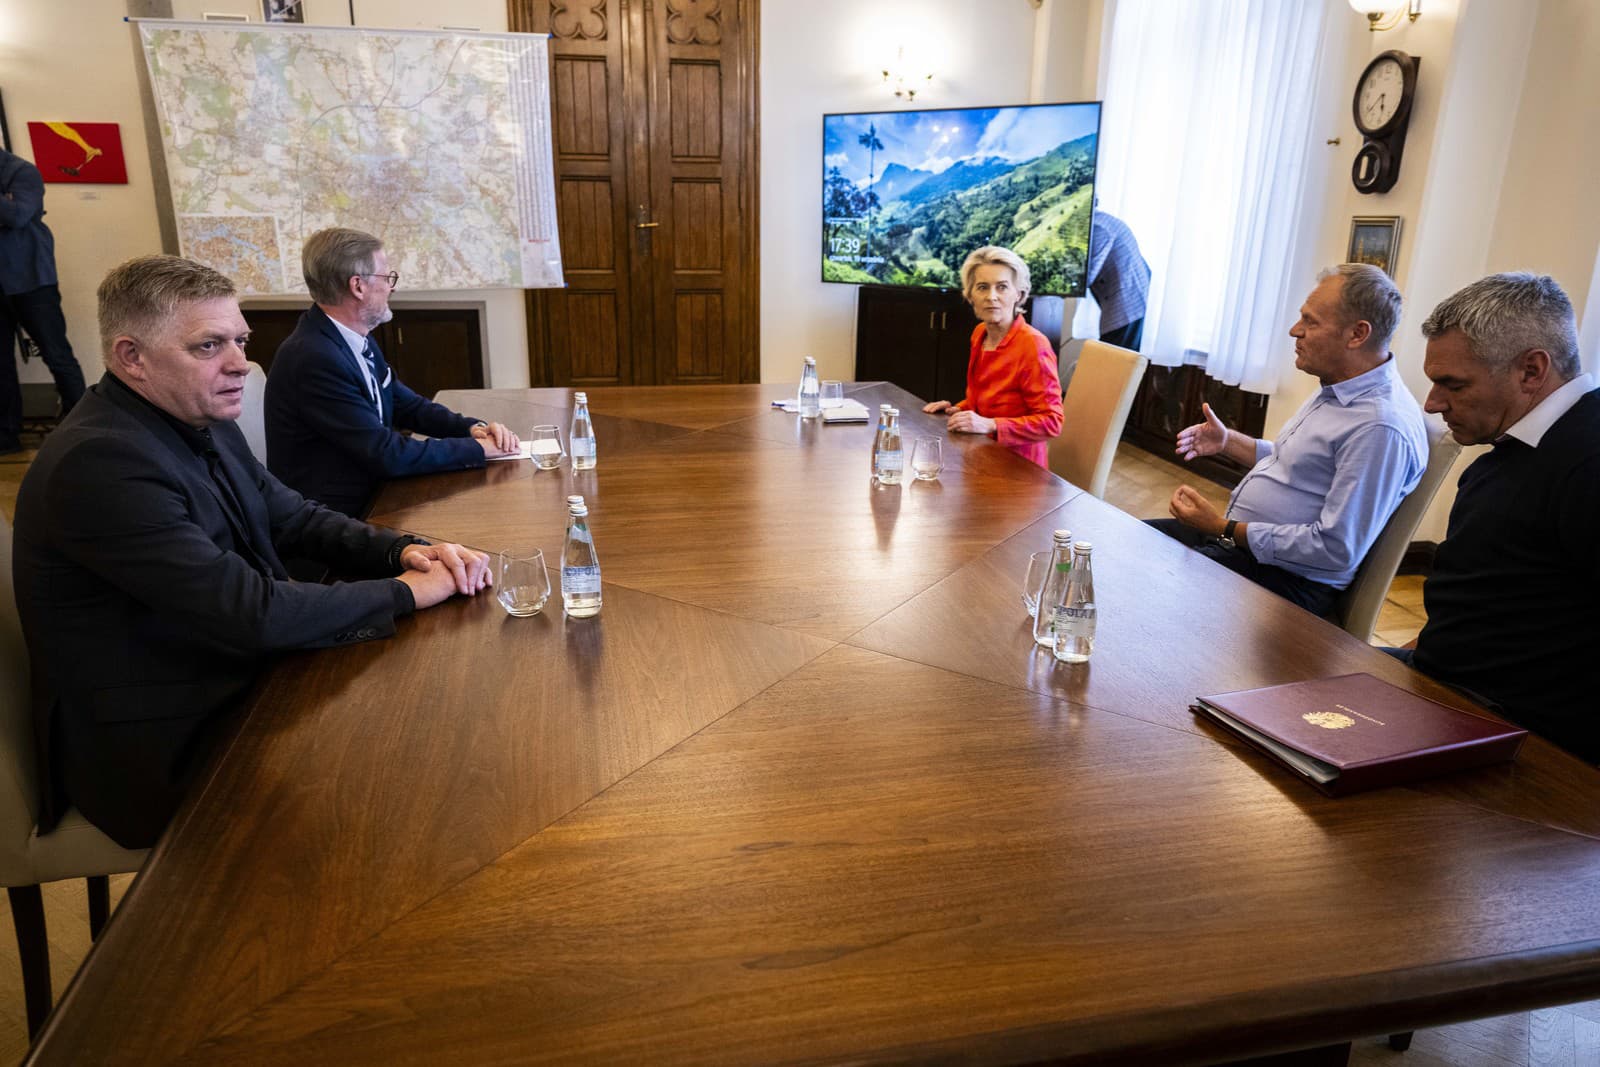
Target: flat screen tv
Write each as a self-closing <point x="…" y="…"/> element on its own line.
<point x="907" y="194"/>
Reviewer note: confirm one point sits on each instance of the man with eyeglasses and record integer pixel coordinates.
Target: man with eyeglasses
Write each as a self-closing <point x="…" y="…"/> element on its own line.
<point x="334" y="409"/>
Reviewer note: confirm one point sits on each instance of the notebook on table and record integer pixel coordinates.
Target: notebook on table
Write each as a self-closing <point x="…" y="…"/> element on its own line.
<point x="1356" y="732"/>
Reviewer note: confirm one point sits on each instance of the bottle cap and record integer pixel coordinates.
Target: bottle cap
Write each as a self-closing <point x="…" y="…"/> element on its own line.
<point x="1063" y="537"/>
<point x="574" y="500"/>
<point x="1082" y="546"/>
<point x="577" y="511"/>
<point x="580" y="398"/>
<point x="894" y="411"/>
<point x="810" y="361"/>
<point x="885" y="407"/>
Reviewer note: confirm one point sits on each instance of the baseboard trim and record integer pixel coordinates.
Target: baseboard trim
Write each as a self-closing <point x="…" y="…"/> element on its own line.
<point x="1418" y="558"/>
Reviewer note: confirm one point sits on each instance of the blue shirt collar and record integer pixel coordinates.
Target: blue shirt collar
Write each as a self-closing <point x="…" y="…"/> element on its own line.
<point x="1350" y="390"/>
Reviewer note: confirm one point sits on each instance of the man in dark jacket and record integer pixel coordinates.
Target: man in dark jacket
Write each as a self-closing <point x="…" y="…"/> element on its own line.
<point x="334" y="409"/>
<point x="148" y="558"/>
<point x="29" y="297"/>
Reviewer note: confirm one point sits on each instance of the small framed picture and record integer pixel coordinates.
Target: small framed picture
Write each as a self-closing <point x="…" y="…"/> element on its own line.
<point x="282" y="11"/>
<point x="1375" y="239"/>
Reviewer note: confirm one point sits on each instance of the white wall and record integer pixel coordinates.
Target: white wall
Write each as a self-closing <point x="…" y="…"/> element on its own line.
<point x="824" y="56"/>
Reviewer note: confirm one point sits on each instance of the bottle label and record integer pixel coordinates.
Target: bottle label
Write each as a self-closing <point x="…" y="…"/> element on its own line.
<point x="580" y="579"/>
<point x="1066" y="616"/>
<point x="891" y="461"/>
<point x="582" y="447"/>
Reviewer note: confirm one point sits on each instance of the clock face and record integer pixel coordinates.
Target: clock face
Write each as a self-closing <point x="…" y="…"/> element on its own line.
<point x="1380" y="94"/>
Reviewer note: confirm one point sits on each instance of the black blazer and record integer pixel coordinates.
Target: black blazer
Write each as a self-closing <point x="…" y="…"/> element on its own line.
<point x="327" y="441"/>
<point x="147" y="613"/>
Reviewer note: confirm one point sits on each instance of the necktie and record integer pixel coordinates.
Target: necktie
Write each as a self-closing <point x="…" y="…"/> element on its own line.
<point x="370" y="354"/>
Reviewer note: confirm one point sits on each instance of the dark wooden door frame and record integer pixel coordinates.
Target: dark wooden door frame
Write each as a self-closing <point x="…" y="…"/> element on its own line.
<point x="643" y="348"/>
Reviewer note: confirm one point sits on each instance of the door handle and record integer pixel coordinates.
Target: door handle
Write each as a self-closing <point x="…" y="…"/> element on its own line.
<point x="642" y="224"/>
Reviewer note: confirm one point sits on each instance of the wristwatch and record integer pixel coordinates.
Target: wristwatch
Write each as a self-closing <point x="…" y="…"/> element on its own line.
<point x="1226" y="540"/>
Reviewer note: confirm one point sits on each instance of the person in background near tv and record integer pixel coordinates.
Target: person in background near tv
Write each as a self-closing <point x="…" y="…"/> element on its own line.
<point x="1119" y="279"/>
<point x="1510" y="599"/>
<point x="1013" y="391"/>
<point x="29" y="296"/>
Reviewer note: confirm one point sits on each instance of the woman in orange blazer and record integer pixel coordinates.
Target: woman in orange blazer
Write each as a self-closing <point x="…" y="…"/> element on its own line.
<point x="1013" y="391"/>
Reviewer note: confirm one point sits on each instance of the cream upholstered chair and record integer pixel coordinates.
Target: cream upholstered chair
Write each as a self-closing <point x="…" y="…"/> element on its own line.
<point x="251" y="419"/>
<point x="74" y="849"/>
<point x="1095" y="407"/>
<point x="1357" y="607"/>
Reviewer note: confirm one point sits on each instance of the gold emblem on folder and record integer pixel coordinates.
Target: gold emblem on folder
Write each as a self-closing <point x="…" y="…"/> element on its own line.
<point x="1328" y="720"/>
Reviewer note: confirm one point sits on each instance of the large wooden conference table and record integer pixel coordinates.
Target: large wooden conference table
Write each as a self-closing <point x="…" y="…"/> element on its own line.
<point x="805" y="792"/>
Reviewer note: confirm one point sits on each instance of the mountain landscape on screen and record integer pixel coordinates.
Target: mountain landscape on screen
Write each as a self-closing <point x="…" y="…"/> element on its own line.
<point x="907" y="195"/>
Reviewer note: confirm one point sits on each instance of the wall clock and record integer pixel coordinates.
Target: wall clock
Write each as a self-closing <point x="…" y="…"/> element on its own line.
<point x="1382" y="108"/>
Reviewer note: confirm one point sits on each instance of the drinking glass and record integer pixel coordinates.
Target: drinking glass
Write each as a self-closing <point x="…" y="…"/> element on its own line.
<point x="832" y="394"/>
<point x="522" y="584"/>
<point x="544" y="445"/>
<point x="927" y="458"/>
<point x="1038" y="570"/>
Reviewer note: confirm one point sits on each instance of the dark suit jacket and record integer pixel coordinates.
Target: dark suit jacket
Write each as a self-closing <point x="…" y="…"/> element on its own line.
<point x="325" y="439"/>
<point x="147" y="613"/>
<point x="27" y="250"/>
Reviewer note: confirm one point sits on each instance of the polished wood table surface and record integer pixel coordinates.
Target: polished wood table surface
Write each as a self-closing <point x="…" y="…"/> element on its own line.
<point x="806" y="792"/>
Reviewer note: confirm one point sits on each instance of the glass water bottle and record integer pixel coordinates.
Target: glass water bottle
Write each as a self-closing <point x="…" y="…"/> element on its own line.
<point x="1054" y="593"/>
<point x="1075" y="616"/>
<point x="891" y="458"/>
<point x="810" y="391"/>
<point x="581" y="435"/>
<point x="877" y="437"/>
<point x="580" y="567"/>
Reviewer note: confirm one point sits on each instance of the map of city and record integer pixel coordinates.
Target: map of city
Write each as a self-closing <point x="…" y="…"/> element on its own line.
<point x="439" y="143"/>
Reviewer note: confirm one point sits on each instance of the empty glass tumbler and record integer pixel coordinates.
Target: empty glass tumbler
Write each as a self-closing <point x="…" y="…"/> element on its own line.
<point x="544" y="445"/>
<point x="522" y="584"/>
<point x="927" y="458"/>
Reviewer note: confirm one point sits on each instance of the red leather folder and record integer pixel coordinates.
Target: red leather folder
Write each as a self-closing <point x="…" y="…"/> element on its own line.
<point x="1355" y="732"/>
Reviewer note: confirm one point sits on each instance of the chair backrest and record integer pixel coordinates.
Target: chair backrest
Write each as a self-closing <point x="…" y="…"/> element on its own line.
<point x="1095" y="408"/>
<point x="1358" y="606"/>
<point x="252" y="421"/>
<point x="19" y="784"/>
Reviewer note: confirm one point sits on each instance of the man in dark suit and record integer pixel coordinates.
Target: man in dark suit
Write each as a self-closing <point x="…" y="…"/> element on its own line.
<point x="148" y="558"/>
<point x="29" y="297"/>
<point x="334" y="409"/>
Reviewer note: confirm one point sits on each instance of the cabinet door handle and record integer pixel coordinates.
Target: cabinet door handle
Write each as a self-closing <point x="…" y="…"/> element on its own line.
<point x="399" y="336"/>
<point x="944" y="319"/>
<point x="931" y="314"/>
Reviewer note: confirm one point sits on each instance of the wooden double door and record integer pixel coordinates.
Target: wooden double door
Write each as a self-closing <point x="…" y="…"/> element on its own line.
<point x="654" y="134"/>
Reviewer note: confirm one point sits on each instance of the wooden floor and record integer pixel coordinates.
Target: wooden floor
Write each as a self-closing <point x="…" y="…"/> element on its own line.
<point x="1140" y="484"/>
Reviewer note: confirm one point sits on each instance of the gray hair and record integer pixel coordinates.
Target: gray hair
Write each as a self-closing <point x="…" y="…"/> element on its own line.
<point x="994" y="255"/>
<point x="1505" y="315"/>
<point x="1368" y="295"/>
<point x="332" y="257"/>
<point x="139" y="297"/>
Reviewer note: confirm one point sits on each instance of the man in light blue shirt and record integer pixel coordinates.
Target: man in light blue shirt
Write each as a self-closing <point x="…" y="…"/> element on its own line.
<point x="1302" y="520"/>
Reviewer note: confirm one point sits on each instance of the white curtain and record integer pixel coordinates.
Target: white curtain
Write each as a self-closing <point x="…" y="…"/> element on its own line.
<point x="1205" y="137"/>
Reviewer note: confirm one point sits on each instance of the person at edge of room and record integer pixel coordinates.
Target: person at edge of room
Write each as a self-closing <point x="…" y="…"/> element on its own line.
<point x="1119" y="279"/>
<point x="1301" y="521"/>
<point x="147" y="559"/>
<point x="1013" y="391"/>
<point x="334" y="409"/>
<point x="29" y="296"/>
<point x="1511" y="595"/>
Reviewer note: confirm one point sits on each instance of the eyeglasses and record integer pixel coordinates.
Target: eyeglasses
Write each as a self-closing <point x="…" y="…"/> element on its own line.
<point x="393" y="278"/>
